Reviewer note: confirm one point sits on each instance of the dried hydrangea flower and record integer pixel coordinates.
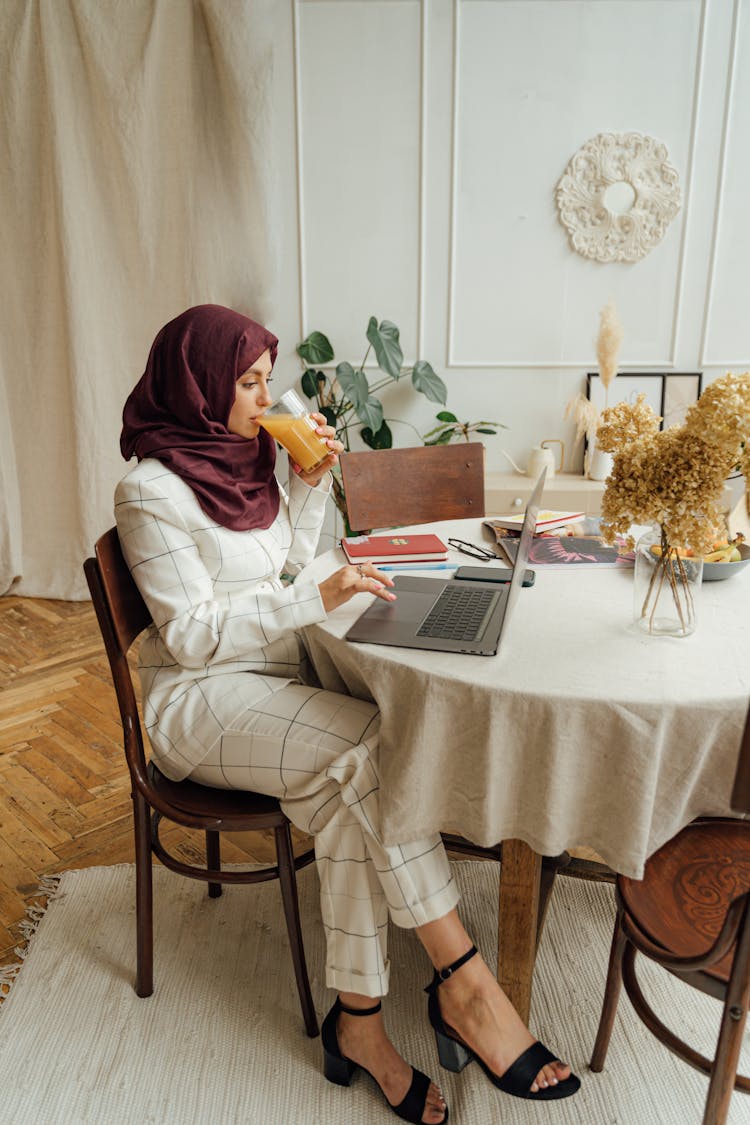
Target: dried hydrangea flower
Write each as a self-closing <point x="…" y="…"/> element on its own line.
<point x="675" y="477"/>
<point x="625" y="423"/>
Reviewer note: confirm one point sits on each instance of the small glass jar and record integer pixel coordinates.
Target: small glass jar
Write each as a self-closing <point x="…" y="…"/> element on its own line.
<point x="666" y="586"/>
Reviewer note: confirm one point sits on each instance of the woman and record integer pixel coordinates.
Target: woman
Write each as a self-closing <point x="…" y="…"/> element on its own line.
<point x="206" y="531"/>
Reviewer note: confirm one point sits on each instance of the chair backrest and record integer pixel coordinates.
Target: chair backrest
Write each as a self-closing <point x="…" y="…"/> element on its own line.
<point x="741" y="790"/>
<point x="122" y="615"/>
<point x="396" y="487"/>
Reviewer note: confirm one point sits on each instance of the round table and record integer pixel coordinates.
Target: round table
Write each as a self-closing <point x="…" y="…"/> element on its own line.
<point x="582" y="731"/>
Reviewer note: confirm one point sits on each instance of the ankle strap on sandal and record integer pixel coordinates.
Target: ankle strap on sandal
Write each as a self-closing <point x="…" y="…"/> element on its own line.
<point x="441" y="975"/>
<point x="358" y="1011"/>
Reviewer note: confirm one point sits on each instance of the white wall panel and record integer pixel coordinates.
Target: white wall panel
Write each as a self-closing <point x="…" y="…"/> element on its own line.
<point x="419" y="185"/>
<point x="359" y="76"/>
<point x="727" y="340"/>
<point x="535" y="80"/>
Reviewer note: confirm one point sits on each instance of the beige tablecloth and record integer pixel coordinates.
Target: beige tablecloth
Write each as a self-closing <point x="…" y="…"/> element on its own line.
<point x="582" y="731"/>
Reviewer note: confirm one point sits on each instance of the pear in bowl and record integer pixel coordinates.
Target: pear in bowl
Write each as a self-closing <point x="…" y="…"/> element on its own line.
<point x="715" y="571"/>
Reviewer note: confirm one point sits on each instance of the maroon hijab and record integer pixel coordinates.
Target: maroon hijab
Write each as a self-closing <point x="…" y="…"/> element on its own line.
<point x="179" y="409"/>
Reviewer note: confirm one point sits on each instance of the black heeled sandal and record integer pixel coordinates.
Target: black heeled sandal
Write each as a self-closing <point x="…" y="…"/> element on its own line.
<point x="339" y="1069"/>
<point x="455" y="1054"/>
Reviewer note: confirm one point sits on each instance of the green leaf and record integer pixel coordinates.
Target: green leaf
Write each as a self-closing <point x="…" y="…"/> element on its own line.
<point x="384" y="339"/>
<point x="354" y="385"/>
<point x="444" y="438"/>
<point x="430" y="384"/>
<point x="484" y="430"/>
<point x="446" y="416"/>
<point x="381" y="439"/>
<point x="371" y="413"/>
<point x="311" y="381"/>
<point x="316" y="348"/>
<point x="437" y="429"/>
<point x="331" y="416"/>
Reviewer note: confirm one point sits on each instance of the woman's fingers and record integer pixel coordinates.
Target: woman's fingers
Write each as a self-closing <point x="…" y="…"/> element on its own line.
<point x="335" y="447"/>
<point x="375" y="580"/>
<point x="315" y="477"/>
<point x="364" y="578"/>
<point x="328" y="433"/>
<point x="370" y="585"/>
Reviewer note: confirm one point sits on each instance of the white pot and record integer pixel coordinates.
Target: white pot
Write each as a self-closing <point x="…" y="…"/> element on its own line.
<point x="734" y="490"/>
<point x="600" y="464"/>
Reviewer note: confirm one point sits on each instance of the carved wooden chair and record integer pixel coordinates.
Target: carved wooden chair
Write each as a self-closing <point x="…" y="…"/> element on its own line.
<point x="398" y="487"/>
<point x="691" y="914"/>
<point x="122" y="616"/>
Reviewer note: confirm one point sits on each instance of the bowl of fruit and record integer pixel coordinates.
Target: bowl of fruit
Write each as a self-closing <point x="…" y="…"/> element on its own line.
<point x="727" y="558"/>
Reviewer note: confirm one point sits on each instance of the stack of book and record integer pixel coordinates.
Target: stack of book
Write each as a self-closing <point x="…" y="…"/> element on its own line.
<point x="546" y="520"/>
<point x="394" y="548"/>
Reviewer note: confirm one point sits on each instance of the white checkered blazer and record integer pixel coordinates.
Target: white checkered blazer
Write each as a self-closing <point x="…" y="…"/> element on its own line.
<point x="220" y="609"/>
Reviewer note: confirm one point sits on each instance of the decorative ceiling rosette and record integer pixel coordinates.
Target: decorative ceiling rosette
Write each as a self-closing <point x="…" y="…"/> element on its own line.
<point x="617" y="196"/>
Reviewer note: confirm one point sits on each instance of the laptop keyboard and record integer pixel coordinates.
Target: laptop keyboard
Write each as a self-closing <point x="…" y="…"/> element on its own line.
<point x="459" y="614"/>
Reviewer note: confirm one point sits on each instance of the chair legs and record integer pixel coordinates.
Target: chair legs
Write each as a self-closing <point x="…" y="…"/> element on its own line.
<point x="612" y="991"/>
<point x="213" y="861"/>
<point x="144" y="978"/>
<point x="288" y="881"/>
<point x="724" y="1070"/>
<point x="144" y="985"/>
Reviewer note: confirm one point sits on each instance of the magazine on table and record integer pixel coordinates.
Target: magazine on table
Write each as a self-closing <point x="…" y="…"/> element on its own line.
<point x="580" y="545"/>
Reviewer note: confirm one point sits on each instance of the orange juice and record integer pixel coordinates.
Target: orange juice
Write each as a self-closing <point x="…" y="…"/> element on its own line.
<point x="298" y="437"/>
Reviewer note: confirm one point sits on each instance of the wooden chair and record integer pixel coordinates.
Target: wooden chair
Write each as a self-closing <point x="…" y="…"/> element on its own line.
<point x="691" y="914"/>
<point x="122" y="616"/>
<point x="396" y="487"/>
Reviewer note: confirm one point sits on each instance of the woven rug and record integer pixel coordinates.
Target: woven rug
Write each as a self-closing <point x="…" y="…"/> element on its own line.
<point x="221" y="1040"/>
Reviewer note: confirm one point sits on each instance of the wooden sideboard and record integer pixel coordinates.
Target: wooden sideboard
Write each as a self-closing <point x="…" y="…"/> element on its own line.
<point x="506" y="493"/>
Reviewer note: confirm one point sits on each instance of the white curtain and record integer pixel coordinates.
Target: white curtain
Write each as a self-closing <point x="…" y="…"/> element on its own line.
<point x="134" y="148"/>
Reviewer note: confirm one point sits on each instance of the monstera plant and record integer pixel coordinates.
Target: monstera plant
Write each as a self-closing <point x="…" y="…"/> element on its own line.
<point x="350" y="402"/>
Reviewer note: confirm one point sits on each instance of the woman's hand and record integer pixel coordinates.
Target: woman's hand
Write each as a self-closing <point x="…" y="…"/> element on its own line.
<point x="328" y="434"/>
<point x="350" y="580"/>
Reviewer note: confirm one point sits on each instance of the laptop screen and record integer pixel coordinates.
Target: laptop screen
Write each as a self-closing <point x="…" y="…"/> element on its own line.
<point x="524" y="543"/>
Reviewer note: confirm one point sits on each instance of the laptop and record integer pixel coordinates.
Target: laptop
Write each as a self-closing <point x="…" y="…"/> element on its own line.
<point x="452" y="615"/>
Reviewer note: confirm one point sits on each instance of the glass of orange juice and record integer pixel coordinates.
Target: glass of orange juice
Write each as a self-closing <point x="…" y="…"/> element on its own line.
<point x="288" y="421"/>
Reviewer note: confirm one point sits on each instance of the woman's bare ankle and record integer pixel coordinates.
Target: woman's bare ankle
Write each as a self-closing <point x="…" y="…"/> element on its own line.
<point x="445" y="940"/>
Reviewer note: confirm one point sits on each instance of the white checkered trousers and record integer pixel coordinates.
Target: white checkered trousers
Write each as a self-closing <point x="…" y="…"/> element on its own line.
<point x="318" y="751"/>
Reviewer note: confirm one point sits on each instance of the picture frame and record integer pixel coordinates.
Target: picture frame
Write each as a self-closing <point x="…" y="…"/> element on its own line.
<point x="668" y="393"/>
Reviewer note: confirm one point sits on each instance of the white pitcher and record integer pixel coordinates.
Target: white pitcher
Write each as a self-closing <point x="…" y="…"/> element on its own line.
<point x="539" y="458"/>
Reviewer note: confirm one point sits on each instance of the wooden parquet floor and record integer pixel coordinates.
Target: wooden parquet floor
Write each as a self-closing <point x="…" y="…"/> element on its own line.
<point x="64" y="786"/>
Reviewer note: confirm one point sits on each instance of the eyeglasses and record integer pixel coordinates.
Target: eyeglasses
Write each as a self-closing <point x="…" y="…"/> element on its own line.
<point x="472" y="549"/>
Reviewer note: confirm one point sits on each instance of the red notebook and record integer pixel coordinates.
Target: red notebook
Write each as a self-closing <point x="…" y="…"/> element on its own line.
<point x="394" y="548"/>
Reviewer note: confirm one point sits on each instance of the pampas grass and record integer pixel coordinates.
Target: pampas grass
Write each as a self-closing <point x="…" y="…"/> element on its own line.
<point x="580" y="410"/>
<point x="585" y="415"/>
<point x="608" y="344"/>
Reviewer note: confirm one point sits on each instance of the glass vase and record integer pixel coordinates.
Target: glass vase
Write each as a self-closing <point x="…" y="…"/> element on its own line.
<point x="666" y="587"/>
